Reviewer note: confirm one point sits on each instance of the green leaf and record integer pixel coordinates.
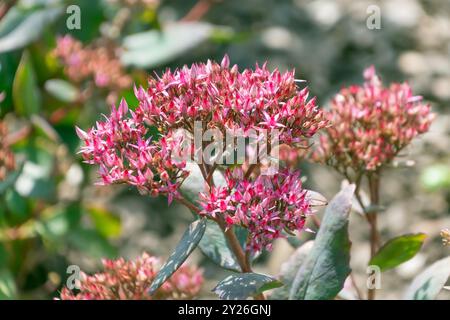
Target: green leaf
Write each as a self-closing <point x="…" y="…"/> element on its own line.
<point x="243" y="285"/>
<point x="17" y="206"/>
<point x="289" y="270"/>
<point x="21" y="27"/>
<point x="154" y="48"/>
<point x="106" y="223"/>
<point x="428" y="284"/>
<point x="62" y="90"/>
<point x="323" y="273"/>
<point x="26" y="96"/>
<point x="187" y="244"/>
<point x="8" y="289"/>
<point x="397" y="250"/>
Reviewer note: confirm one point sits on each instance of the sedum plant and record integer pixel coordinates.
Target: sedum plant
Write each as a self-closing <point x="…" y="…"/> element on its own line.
<point x="244" y="193"/>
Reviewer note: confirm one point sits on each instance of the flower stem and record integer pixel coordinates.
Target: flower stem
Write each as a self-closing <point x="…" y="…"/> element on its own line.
<point x="235" y="246"/>
<point x="374" y="187"/>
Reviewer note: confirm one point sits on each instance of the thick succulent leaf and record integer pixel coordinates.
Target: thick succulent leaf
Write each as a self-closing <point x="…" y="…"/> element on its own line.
<point x="187" y="244"/>
<point x="398" y="250"/>
<point x="289" y="270"/>
<point x="154" y="48"/>
<point x="428" y="284"/>
<point x="243" y="285"/>
<point x="215" y="247"/>
<point x="323" y="273"/>
<point x="21" y="27"/>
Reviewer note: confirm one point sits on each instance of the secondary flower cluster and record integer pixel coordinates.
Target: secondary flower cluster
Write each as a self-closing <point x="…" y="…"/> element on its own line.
<point x="97" y="63"/>
<point x="224" y="98"/>
<point x="371" y="124"/>
<point x="7" y="162"/>
<point x="269" y="206"/>
<point x="123" y="147"/>
<point x="130" y="280"/>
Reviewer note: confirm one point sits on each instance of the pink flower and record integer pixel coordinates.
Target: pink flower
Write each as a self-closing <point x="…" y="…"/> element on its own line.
<point x="371" y="124"/>
<point x="224" y="98"/>
<point x="268" y="206"/>
<point x="124" y="150"/>
<point x="131" y="280"/>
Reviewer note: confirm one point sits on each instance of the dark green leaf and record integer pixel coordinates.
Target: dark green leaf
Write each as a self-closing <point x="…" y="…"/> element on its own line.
<point x="398" y="250"/>
<point x="323" y="273"/>
<point x="243" y="285"/>
<point x="10" y="179"/>
<point x="214" y="246"/>
<point x="428" y="284"/>
<point x="187" y="244"/>
<point x="92" y="243"/>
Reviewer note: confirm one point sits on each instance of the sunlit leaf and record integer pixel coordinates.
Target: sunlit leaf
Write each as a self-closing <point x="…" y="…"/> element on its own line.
<point x="428" y="284"/>
<point x="243" y="285"/>
<point x="105" y="222"/>
<point x="62" y="90"/>
<point x="21" y="27"/>
<point x="154" y="48"/>
<point x="26" y="95"/>
<point x="187" y="244"/>
<point x="8" y="289"/>
<point x="289" y="270"/>
<point x="323" y="273"/>
<point x="398" y="250"/>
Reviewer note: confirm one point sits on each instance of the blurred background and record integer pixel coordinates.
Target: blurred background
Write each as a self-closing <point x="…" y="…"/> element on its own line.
<point x="52" y="215"/>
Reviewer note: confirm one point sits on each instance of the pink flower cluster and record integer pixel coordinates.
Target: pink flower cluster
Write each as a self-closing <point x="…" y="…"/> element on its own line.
<point x="269" y="206"/>
<point x="215" y="94"/>
<point x="123" y="147"/>
<point x="130" y="280"/>
<point x="224" y="98"/>
<point x="371" y="124"/>
<point x="98" y="63"/>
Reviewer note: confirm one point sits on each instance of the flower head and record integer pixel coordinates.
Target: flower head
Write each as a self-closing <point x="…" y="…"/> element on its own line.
<point x="268" y="206"/>
<point x="124" y="149"/>
<point x="131" y="280"/>
<point x="224" y="98"/>
<point x="371" y="124"/>
<point x="96" y="63"/>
